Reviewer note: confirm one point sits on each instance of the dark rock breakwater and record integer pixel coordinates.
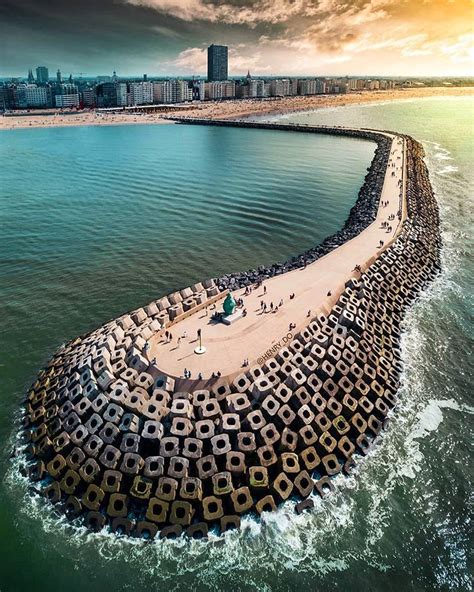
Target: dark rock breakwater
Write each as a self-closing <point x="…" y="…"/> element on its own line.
<point x="361" y="215"/>
<point x="112" y="444"/>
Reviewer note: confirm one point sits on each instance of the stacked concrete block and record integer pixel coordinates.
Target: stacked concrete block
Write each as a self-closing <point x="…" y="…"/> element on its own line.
<point x="111" y="442"/>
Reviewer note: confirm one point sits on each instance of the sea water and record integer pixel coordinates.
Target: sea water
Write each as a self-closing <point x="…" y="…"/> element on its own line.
<point x="96" y="221"/>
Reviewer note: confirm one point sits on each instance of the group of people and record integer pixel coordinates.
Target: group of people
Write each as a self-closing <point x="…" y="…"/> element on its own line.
<point x="187" y="374"/>
<point x="245" y="363"/>
<point x="270" y="308"/>
<point x="388" y="227"/>
<point x="146" y="349"/>
<point x="240" y="303"/>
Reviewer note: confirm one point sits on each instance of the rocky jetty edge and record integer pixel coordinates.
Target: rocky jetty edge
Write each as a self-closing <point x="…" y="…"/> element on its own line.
<point x="114" y="445"/>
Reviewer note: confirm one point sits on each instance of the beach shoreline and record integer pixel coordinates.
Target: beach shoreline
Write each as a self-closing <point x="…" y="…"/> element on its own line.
<point x="235" y="108"/>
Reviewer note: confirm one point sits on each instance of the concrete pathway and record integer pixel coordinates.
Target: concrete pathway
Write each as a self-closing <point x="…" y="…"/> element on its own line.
<point x="316" y="288"/>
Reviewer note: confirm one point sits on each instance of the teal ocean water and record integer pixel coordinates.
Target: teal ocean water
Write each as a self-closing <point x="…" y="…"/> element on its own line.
<point x="96" y="221"/>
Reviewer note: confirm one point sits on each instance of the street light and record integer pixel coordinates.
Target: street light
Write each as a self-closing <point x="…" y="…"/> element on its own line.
<point x="200" y="349"/>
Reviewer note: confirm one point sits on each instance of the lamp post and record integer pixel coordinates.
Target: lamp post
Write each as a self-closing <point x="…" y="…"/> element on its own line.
<point x="200" y="349"/>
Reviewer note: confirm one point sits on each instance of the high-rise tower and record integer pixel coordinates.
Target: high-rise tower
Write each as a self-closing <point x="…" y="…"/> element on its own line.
<point x="217" y="63"/>
<point x="42" y="75"/>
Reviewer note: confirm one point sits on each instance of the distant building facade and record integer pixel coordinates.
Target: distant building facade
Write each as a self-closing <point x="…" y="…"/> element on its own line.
<point x="217" y="63"/>
<point x="280" y="88"/>
<point x="121" y="94"/>
<point x="42" y="75"/>
<point x="308" y="87"/>
<point x="67" y="96"/>
<point x="174" y="91"/>
<point x="88" y="97"/>
<point x="256" y="88"/>
<point x="220" y="90"/>
<point x="107" y="94"/>
<point x="141" y="93"/>
<point x="37" y="96"/>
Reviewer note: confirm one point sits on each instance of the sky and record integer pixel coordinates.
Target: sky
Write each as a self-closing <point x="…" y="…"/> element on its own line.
<point x="267" y="37"/>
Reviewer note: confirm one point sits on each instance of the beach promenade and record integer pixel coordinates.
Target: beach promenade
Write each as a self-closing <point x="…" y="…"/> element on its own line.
<point x="272" y="316"/>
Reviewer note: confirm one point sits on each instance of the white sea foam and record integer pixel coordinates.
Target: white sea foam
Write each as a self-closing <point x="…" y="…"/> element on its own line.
<point x="448" y="170"/>
<point x="295" y="542"/>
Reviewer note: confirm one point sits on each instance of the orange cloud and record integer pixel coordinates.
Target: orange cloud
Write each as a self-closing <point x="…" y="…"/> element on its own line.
<point x="302" y="34"/>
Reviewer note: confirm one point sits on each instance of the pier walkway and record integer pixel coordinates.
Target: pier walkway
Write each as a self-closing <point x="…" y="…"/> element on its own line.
<point x="316" y="288"/>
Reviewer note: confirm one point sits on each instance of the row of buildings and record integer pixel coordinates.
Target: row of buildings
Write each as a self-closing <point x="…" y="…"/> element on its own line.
<point x="109" y="92"/>
<point x="112" y="92"/>
<point x="121" y="93"/>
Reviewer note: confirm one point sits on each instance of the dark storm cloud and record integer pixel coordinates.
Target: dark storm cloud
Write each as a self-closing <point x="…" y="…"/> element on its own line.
<point x="130" y="35"/>
<point x="90" y="36"/>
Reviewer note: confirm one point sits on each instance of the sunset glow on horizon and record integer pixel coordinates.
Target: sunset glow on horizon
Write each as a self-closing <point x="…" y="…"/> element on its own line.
<point x="267" y="37"/>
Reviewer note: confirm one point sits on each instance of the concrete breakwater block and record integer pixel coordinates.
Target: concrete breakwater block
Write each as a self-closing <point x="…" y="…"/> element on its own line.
<point x="116" y="444"/>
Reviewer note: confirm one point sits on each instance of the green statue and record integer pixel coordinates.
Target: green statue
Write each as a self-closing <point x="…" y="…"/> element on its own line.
<point x="229" y="305"/>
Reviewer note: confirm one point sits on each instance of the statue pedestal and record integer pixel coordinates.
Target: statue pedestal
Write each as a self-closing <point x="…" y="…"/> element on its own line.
<point x="235" y="316"/>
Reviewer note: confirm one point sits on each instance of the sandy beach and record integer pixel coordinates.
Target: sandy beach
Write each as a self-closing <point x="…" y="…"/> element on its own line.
<point x="229" y="109"/>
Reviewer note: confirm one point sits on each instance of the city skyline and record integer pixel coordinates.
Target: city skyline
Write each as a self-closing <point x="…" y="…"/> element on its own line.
<point x="106" y="76"/>
<point x="280" y="37"/>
